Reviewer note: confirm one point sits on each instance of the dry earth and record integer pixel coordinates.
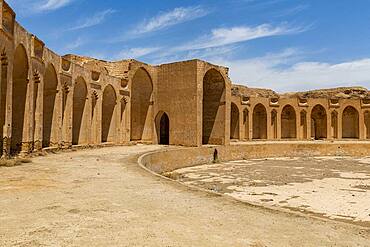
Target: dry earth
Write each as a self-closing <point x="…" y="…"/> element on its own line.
<point x="103" y="198"/>
<point x="334" y="187"/>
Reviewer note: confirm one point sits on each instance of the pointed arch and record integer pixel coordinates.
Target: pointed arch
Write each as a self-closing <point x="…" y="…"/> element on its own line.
<point x="213" y="121"/>
<point x="288" y="123"/>
<point x="141" y="109"/>
<point x="162" y="123"/>
<point x="259" y="122"/>
<point x="50" y="119"/>
<point x="19" y="96"/>
<point x="79" y="117"/>
<point x="318" y="122"/>
<point x="234" y="122"/>
<point x="108" y="114"/>
<point x="350" y="123"/>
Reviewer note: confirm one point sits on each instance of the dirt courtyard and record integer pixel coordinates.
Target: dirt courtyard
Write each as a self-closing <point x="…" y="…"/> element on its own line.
<point x="333" y="187"/>
<point x="102" y="197"/>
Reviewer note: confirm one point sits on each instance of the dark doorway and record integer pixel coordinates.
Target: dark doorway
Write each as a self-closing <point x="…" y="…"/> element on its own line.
<point x="164" y="130"/>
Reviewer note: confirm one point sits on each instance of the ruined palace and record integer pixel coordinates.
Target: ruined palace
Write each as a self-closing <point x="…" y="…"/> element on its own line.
<point x="53" y="101"/>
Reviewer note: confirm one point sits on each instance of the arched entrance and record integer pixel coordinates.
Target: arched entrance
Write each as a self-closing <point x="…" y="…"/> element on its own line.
<point x="213" y="129"/>
<point x="141" y="109"/>
<point x="79" y="118"/>
<point x="163" y="128"/>
<point x="234" y="122"/>
<point x="367" y="124"/>
<point x="318" y="123"/>
<point x="259" y="122"/>
<point x="49" y="107"/>
<point x="288" y="123"/>
<point x="108" y="112"/>
<point x="19" y="95"/>
<point x="350" y="120"/>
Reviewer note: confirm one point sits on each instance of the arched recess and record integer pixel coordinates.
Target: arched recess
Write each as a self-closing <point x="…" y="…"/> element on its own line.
<point x="246" y="124"/>
<point x="108" y="113"/>
<point x="19" y="95"/>
<point x="288" y="123"/>
<point x="162" y="123"/>
<point x="334" y="124"/>
<point x="234" y="122"/>
<point x="213" y="128"/>
<point x="79" y="117"/>
<point x="318" y="122"/>
<point x="50" y="119"/>
<point x="303" y="124"/>
<point x="3" y="93"/>
<point x="350" y="123"/>
<point x="141" y="109"/>
<point x="367" y="124"/>
<point x="274" y="123"/>
<point x="259" y="122"/>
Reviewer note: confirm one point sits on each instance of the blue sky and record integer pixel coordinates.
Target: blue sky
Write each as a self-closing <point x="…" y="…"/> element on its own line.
<point x="286" y="45"/>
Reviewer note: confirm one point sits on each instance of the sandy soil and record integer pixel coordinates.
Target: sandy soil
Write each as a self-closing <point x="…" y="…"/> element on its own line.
<point x="334" y="187"/>
<point x="103" y="198"/>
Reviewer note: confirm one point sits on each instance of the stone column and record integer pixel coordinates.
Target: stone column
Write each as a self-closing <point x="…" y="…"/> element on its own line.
<point x="330" y="133"/>
<point x="28" y="126"/>
<point x="278" y="125"/>
<point x="67" y="118"/>
<point x="38" y="114"/>
<point x="361" y="125"/>
<point x="340" y="124"/>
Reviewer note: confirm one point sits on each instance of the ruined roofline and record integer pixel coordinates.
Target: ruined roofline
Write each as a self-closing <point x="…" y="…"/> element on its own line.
<point x="337" y="92"/>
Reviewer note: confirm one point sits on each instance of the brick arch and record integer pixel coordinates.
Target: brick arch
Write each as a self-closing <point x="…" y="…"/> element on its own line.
<point x="214" y="93"/>
<point x="108" y="114"/>
<point x="162" y="123"/>
<point x="80" y="116"/>
<point x="234" y="122"/>
<point x="19" y="95"/>
<point x="319" y="122"/>
<point x="50" y="111"/>
<point x="288" y="123"/>
<point x="141" y="108"/>
<point x="350" y="123"/>
<point x="259" y="122"/>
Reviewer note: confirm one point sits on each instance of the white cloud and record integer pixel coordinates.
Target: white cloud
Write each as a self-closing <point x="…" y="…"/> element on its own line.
<point x="94" y="20"/>
<point x="29" y="7"/>
<point x="227" y="36"/>
<point x="51" y="5"/>
<point x="74" y="45"/>
<point x="283" y="73"/>
<point x="136" y="52"/>
<point x="170" y="18"/>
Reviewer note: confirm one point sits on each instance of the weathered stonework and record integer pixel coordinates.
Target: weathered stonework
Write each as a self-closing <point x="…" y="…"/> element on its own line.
<point x="52" y="101"/>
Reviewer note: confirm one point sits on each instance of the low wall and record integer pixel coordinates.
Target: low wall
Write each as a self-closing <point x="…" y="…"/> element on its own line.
<point x="169" y="160"/>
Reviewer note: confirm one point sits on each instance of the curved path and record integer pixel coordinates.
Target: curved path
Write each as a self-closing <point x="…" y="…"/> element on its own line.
<point x="102" y="197"/>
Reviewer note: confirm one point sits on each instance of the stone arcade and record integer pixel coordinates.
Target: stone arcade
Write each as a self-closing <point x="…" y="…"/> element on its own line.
<point x="52" y="101"/>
